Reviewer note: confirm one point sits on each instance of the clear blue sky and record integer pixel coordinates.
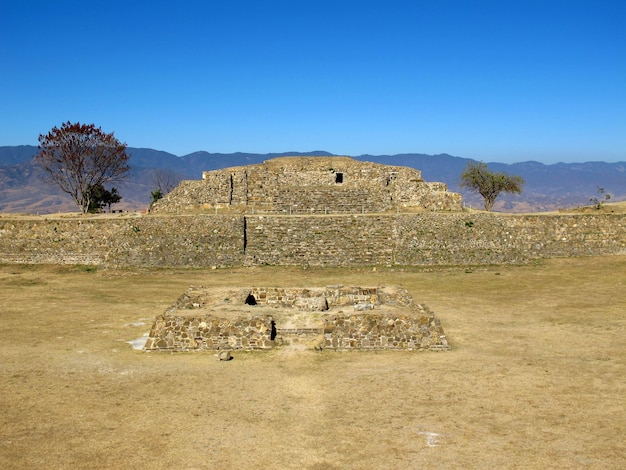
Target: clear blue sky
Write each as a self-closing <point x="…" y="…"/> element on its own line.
<point x="505" y="81"/>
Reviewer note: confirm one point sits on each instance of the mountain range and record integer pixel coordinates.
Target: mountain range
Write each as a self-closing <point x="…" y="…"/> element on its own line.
<point x="547" y="187"/>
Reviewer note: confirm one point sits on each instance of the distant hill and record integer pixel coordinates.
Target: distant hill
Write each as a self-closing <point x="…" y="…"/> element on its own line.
<point x="548" y="187"/>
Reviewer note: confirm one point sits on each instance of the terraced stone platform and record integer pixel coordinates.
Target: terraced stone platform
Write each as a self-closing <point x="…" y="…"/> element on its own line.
<point x="334" y="317"/>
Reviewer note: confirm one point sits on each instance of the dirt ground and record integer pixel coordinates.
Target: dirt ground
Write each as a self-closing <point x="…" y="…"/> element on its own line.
<point x="536" y="377"/>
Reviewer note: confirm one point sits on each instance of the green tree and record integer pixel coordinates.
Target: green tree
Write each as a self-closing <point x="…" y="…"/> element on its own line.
<point x="111" y="197"/>
<point x="78" y="156"/>
<point x="94" y="195"/>
<point x="155" y="195"/>
<point x="100" y="197"/>
<point x="489" y="184"/>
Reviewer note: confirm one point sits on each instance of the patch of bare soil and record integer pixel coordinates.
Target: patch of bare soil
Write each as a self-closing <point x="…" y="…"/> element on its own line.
<point x="535" y="378"/>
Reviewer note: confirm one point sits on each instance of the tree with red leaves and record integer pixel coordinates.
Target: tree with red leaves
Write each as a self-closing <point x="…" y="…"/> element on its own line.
<point x="78" y="157"/>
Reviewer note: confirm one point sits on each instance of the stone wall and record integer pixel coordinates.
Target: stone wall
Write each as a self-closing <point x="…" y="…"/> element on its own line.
<point x="430" y="239"/>
<point x="124" y="242"/>
<point x="314" y="299"/>
<point x="340" y="332"/>
<point x="388" y="331"/>
<point x="331" y="240"/>
<point x="181" y="333"/>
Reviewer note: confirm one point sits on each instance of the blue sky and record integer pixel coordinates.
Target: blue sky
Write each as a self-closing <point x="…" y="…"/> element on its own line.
<point x="505" y="81"/>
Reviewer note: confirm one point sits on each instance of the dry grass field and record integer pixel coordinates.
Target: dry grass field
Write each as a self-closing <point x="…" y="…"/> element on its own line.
<point x="536" y="377"/>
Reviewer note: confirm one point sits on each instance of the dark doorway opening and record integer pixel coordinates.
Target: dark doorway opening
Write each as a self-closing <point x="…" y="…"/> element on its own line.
<point x="338" y="177"/>
<point x="273" y="331"/>
<point x="250" y="300"/>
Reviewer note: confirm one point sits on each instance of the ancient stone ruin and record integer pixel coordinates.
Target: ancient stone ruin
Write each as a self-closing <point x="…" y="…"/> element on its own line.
<point x="334" y="317"/>
<point x="309" y="211"/>
<point x="310" y="185"/>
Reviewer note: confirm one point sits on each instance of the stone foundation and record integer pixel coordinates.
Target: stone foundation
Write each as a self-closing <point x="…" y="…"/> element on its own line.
<point x="353" y="318"/>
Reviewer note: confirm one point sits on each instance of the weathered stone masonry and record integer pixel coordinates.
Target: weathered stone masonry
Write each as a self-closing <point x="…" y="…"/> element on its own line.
<point x="312" y="211"/>
<point x="310" y="185"/>
<point x="351" y="318"/>
<point x="322" y="240"/>
<point x="339" y="332"/>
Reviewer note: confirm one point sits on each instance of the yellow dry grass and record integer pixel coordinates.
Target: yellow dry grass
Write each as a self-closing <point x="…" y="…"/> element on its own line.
<point x="535" y="378"/>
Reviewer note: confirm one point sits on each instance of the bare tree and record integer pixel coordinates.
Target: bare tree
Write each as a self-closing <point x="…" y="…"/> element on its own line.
<point x="164" y="180"/>
<point x="599" y="200"/>
<point x="78" y="157"/>
<point x="489" y="184"/>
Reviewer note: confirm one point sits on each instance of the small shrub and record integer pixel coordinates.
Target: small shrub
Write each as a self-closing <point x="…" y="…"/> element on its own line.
<point x="88" y="268"/>
<point x="599" y="200"/>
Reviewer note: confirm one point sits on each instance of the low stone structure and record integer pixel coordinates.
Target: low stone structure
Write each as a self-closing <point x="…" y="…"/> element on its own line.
<point x="335" y="317"/>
